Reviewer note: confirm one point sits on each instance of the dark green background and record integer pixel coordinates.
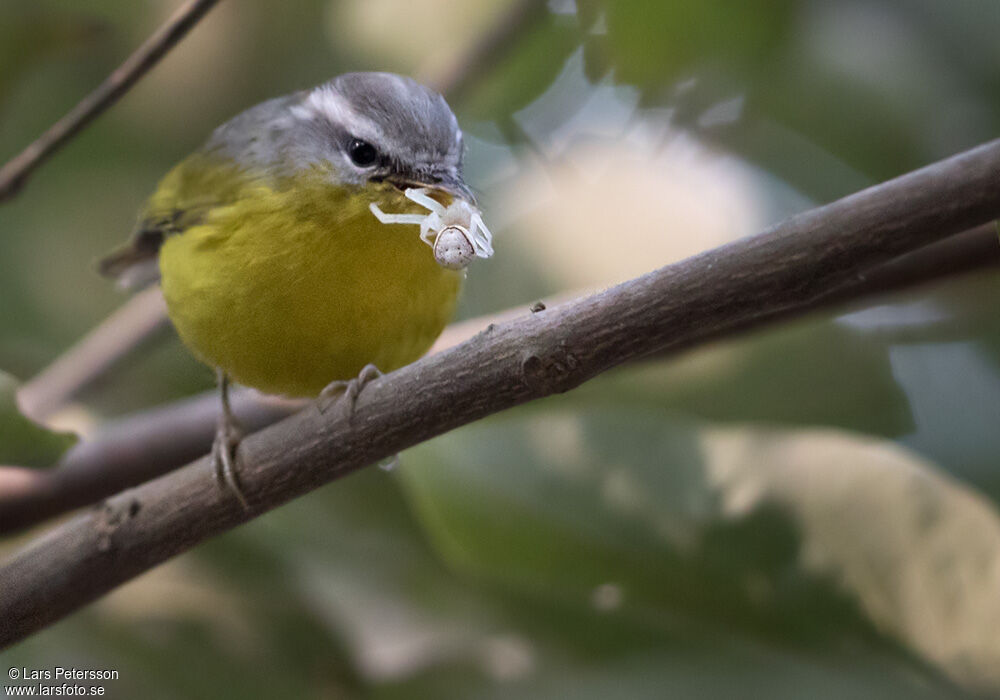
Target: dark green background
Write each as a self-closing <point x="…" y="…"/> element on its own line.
<point x="808" y="511"/>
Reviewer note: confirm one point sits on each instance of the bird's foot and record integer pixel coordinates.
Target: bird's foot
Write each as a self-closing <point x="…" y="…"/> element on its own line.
<point x="349" y="389"/>
<point x="227" y="439"/>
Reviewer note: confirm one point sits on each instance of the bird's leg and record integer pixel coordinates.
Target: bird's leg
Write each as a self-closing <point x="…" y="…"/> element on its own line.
<point x="227" y="438"/>
<point x="349" y="389"/>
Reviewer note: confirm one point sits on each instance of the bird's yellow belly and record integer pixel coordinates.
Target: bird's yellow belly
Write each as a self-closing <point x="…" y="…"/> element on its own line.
<point x="287" y="291"/>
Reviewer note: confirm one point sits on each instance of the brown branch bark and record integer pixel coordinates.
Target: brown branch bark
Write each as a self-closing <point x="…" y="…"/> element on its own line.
<point x="964" y="252"/>
<point x="543" y="353"/>
<point x="141" y="447"/>
<point x="126" y="453"/>
<point x="15" y="173"/>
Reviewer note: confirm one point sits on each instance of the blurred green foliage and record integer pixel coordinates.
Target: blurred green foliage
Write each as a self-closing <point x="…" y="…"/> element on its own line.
<point x="805" y="511"/>
<point x="883" y="86"/>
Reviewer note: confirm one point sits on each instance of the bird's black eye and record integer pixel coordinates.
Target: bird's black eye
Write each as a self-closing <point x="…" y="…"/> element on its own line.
<point x="362" y="153"/>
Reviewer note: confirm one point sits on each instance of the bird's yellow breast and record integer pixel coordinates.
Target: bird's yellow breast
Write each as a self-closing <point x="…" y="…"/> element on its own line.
<point x="292" y="286"/>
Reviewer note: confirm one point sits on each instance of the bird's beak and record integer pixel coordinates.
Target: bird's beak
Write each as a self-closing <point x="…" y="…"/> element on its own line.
<point x="447" y="183"/>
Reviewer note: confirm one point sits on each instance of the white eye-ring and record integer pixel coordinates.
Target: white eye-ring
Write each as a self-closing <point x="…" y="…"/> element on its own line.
<point x="455" y="233"/>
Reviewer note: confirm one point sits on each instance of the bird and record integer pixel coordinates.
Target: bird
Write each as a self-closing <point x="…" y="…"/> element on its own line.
<point x="271" y="245"/>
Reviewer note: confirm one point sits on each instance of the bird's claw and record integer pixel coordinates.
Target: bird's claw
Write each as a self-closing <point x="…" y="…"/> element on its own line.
<point x="349" y="390"/>
<point x="227" y="438"/>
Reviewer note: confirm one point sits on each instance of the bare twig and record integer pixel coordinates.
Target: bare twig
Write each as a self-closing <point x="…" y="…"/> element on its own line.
<point x="965" y="252"/>
<point x="14" y="174"/>
<point x="540" y="354"/>
<point x="126" y="453"/>
<point x="123" y="331"/>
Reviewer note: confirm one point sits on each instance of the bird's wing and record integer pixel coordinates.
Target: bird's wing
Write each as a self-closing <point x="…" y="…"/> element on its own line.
<point x="207" y="179"/>
<point x="183" y="199"/>
<point x="135" y="263"/>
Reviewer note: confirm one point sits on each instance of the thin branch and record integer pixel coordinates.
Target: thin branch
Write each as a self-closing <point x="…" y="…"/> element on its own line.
<point x="126" y="453"/>
<point x="548" y="352"/>
<point x="128" y="328"/>
<point x="83" y="364"/>
<point x="964" y="252"/>
<point x="15" y="173"/>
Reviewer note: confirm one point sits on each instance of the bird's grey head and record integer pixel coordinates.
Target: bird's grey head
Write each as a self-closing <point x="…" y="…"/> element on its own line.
<point x="383" y="127"/>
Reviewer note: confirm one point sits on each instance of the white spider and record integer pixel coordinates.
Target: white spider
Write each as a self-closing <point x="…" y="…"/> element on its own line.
<point x="455" y="233"/>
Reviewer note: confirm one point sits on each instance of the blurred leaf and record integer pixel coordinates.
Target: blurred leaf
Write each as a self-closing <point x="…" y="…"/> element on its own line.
<point x="809" y="538"/>
<point x="231" y="643"/>
<point x="693" y="673"/>
<point x="945" y="348"/>
<point x="22" y="442"/>
<point x="564" y="504"/>
<point x="918" y="551"/>
<point x="657" y="42"/>
<point x="911" y="94"/>
<point x="524" y="73"/>
<point x="351" y="557"/>
<point x="968" y="319"/>
<point x="805" y="373"/>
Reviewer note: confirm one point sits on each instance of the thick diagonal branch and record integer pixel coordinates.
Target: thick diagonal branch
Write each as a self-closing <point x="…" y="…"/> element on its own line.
<point x="142" y="446"/>
<point x="506" y="365"/>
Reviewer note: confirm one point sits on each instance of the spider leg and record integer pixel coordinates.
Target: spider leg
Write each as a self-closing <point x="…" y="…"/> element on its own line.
<point x="481" y="236"/>
<point x="429" y="228"/>
<point x="396" y="218"/>
<point x="420" y="196"/>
